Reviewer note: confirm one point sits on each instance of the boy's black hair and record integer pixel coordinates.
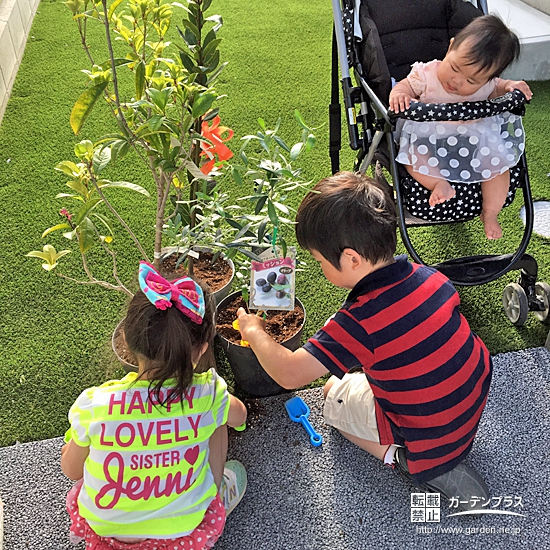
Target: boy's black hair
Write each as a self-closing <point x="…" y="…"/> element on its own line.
<point x="348" y="210"/>
<point x="168" y="340"/>
<point x="492" y="45"/>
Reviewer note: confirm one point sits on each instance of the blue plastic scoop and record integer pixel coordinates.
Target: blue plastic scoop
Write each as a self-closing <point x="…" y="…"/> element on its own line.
<point x="298" y="411"/>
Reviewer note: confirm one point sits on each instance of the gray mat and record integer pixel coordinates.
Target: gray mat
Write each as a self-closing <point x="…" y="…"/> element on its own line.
<point x="336" y="496"/>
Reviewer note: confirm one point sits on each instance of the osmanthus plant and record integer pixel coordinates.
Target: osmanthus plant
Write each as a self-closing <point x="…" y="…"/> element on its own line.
<point x="162" y="98"/>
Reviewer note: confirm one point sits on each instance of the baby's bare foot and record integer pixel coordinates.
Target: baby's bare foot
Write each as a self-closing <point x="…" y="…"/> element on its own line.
<point x="492" y="228"/>
<point x="443" y="191"/>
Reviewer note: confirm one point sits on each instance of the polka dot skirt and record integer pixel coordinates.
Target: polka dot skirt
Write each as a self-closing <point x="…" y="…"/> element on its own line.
<point x="465" y="205"/>
<point x="203" y="537"/>
<point x="467" y="152"/>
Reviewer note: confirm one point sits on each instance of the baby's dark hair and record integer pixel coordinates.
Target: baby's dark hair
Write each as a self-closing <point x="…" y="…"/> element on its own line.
<point x="348" y="210"/>
<point x="168" y="340"/>
<point x="493" y="46"/>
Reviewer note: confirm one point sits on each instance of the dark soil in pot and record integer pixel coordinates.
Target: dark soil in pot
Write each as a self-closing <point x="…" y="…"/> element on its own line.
<point x="216" y="275"/>
<point x="286" y="327"/>
<point x="280" y="325"/>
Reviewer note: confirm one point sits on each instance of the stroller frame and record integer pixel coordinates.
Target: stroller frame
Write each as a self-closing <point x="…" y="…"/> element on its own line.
<point x="372" y="126"/>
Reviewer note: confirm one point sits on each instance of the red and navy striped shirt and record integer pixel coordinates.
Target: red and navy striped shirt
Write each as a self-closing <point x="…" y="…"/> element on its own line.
<point x="429" y="373"/>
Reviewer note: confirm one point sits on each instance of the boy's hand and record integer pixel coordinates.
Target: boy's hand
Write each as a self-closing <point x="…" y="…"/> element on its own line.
<point x="520" y="85"/>
<point x="249" y="323"/>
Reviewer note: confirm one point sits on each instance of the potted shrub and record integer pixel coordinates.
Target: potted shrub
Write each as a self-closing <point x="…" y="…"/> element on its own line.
<point x="162" y="99"/>
<point x="269" y="173"/>
<point x="204" y="241"/>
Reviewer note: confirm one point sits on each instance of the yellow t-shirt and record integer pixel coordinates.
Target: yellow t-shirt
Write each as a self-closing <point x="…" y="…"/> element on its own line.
<point x="147" y="474"/>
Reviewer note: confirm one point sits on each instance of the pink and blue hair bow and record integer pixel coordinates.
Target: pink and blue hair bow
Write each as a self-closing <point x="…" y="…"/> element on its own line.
<point x="184" y="293"/>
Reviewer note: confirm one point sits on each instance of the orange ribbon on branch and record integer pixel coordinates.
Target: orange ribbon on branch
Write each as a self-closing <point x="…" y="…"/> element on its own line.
<point x="216" y="151"/>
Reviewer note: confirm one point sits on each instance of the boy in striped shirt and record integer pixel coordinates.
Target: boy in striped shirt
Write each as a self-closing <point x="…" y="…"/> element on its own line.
<point x="410" y="379"/>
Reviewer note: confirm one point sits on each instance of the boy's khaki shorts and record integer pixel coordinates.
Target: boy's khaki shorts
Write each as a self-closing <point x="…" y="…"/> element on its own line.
<point x="349" y="407"/>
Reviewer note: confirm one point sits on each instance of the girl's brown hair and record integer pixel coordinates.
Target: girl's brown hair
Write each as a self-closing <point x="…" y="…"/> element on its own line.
<point x="168" y="341"/>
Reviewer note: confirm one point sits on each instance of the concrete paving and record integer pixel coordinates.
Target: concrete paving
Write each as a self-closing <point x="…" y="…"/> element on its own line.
<point x="335" y="496"/>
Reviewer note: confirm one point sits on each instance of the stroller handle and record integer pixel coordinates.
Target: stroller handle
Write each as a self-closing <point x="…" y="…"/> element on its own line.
<point x="513" y="102"/>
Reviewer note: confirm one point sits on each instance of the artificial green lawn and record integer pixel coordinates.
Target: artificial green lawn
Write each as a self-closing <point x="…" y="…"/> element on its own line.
<point x="55" y="335"/>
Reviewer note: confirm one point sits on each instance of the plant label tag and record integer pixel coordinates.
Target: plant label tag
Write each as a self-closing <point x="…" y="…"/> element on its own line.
<point x="273" y="280"/>
<point x="193" y="254"/>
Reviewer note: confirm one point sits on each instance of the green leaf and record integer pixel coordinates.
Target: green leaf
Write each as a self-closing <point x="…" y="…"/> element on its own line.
<point x="119" y="62"/>
<point x="261" y="231"/>
<point x="155" y="122"/>
<point x="84" y="105"/>
<point x="202" y="104"/>
<point x="160" y="97"/>
<point x="216" y="73"/>
<point x="282" y="143"/>
<point x="211" y="46"/>
<point x="179" y="5"/>
<point x="104" y="221"/>
<point x="49" y="255"/>
<point x="189" y="25"/>
<point x="127" y="185"/>
<point x="101" y="159"/>
<point x="310" y="143"/>
<point x="242" y="231"/>
<point x="213" y="61"/>
<point x="272" y="213"/>
<point x="296" y="150"/>
<point x="68" y="167"/>
<point x="281" y="207"/>
<point x="79" y="187"/>
<point x="84" y="149"/>
<point x="300" y="120"/>
<point x="119" y="148"/>
<point x="283" y="246"/>
<point x="55" y="228"/>
<point x="260" y="204"/>
<point x="112" y="8"/>
<point x="81" y="215"/>
<point x="188" y="62"/>
<point x="189" y="37"/>
<point x="140" y="79"/>
<point x="68" y="196"/>
<point x="86" y="235"/>
<point x="236" y="175"/>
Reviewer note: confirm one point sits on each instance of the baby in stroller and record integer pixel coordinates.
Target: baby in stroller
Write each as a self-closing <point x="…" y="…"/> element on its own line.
<point x="438" y="153"/>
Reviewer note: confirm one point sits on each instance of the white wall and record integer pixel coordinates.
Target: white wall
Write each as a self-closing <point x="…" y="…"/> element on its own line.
<point x="541" y="5"/>
<point x="15" y="23"/>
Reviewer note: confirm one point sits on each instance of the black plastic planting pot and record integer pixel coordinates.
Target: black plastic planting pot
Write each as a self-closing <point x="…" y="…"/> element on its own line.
<point x="249" y="374"/>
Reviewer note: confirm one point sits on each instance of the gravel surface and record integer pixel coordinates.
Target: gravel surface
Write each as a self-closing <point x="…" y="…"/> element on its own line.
<point x="336" y="496"/>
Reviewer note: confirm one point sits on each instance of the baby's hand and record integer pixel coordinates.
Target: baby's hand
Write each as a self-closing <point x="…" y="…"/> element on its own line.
<point x="399" y="100"/>
<point x="521" y="86"/>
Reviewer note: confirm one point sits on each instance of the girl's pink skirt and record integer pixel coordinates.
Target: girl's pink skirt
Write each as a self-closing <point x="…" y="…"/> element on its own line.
<point x="204" y="536"/>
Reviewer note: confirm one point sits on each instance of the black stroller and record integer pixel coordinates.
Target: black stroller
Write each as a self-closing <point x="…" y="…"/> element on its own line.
<point x="380" y="40"/>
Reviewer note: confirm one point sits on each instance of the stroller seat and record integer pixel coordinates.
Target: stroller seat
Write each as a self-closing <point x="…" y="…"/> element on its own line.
<point x="379" y="41"/>
<point x="466" y="204"/>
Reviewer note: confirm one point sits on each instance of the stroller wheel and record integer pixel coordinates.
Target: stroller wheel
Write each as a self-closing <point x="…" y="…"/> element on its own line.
<point x="516" y="306"/>
<point x="542" y="292"/>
